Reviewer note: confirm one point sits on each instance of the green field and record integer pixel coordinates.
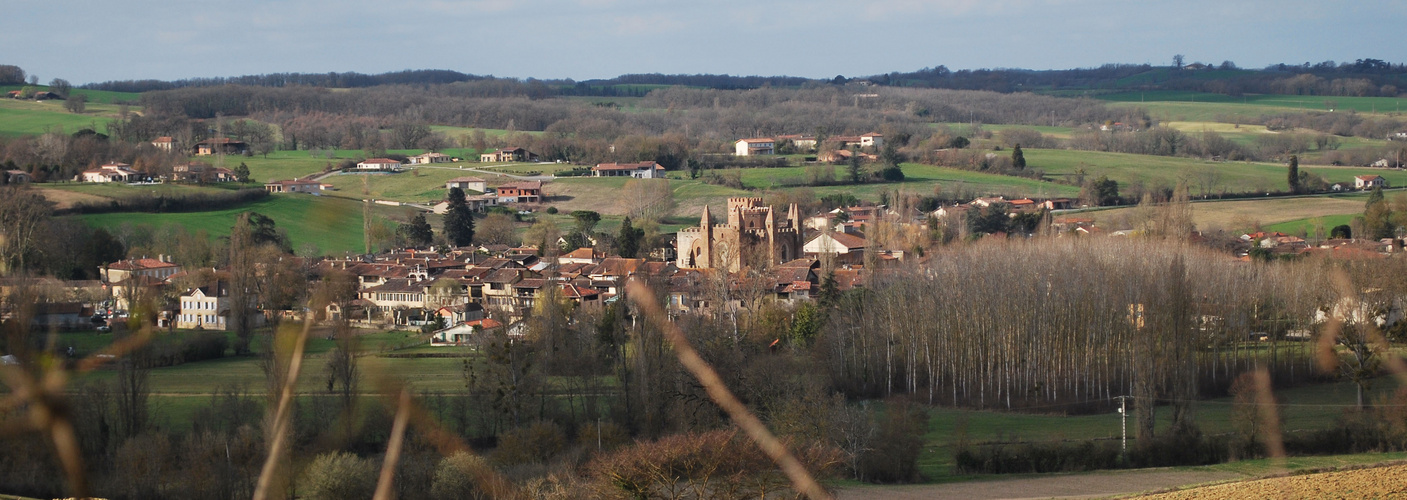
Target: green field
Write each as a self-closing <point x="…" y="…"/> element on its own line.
<point x="334" y="225"/>
<point x="419" y="185"/>
<point x="1166" y="171"/>
<point x="1306" y="408"/>
<point x="1202" y="106"/>
<point x="1286" y="214"/>
<point x="31" y="117"/>
<point x="94" y="96"/>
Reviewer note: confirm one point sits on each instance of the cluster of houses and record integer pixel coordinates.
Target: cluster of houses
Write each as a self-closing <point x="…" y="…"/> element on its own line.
<point x="768" y="145"/>
<point x="467" y="290"/>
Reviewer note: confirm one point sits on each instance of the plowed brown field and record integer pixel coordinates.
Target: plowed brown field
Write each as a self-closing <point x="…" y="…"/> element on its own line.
<point x="1376" y="482"/>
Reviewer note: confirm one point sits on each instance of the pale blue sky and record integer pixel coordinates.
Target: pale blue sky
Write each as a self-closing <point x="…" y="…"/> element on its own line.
<point x="85" y="41"/>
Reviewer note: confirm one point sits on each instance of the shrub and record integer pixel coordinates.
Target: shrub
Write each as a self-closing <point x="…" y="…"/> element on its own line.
<point x="338" y="475"/>
<point x="538" y="443"/>
<point x="894" y="457"/>
<point x="456" y="478"/>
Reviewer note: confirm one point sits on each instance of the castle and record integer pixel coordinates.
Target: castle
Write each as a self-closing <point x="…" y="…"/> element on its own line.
<point x="751" y="236"/>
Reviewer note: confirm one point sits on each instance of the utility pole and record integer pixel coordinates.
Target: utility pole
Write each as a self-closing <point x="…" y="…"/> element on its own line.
<point x="1123" y="424"/>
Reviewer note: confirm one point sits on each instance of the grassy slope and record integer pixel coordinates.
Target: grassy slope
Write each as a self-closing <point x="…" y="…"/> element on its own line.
<point x="1167" y="171"/>
<point x="333" y="224"/>
<point x="1199" y="106"/>
<point x="31" y="117"/>
<point x="1241" y="215"/>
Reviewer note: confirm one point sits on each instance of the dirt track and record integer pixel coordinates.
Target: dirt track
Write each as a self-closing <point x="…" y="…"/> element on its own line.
<point x="1054" y="486"/>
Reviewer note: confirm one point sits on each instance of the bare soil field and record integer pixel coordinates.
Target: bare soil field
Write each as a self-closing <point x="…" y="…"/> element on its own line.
<point x="1100" y="484"/>
<point x="64" y="199"/>
<point x="1376" y="482"/>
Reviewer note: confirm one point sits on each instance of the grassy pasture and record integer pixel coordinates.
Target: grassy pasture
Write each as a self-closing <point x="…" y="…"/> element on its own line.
<point x="1201" y="106"/>
<point x="1214" y="416"/>
<point x="334" y="225"/>
<point x="418" y="185"/>
<point x="1231" y="177"/>
<point x="36" y="117"/>
<point x="1277" y="214"/>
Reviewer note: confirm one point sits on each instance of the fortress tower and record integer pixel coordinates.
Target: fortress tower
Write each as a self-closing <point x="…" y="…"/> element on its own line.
<point x="751" y="236"/>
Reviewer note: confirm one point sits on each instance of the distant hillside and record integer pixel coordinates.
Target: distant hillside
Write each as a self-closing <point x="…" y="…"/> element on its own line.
<point x="1360" y="78"/>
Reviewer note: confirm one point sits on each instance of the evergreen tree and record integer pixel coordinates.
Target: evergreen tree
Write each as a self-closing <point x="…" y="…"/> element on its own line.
<point x="417" y="232"/>
<point x="1018" y="158"/>
<point x="853" y="168"/>
<point x="628" y="240"/>
<point x="459" y="221"/>
<point x="241" y="173"/>
<point x="1374" y="197"/>
<point x="1294" y="174"/>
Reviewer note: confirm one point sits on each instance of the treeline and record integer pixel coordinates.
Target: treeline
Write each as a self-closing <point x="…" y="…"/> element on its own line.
<point x="349" y="79"/>
<point x="1360" y="78"/>
<point x="1010" y="326"/>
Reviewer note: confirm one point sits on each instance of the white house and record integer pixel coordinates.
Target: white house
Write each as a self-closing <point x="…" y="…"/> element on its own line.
<point x="845" y="247"/>
<point x="380" y="164"/>
<point x="429" y="158"/>
<point x="754" y="146"/>
<point x="467" y="184"/>
<point x="642" y="170"/>
<point x="112" y="172"/>
<point x="1369" y="181"/>
<point x="206" y="307"/>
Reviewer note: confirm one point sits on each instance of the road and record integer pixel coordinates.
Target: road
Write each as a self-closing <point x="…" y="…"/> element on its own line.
<point x="1098" y="484"/>
<point x="544" y="178"/>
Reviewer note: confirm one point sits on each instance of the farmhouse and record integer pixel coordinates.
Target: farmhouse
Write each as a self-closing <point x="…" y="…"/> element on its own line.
<point x="201" y="172"/>
<point x="754" y="146"/>
<point x="158" y="268"/>
<point x="222" y="145"/>
<point x="467" y="184"/>
<point x="17" y="177"/>
<point x="429" y="158"/>
<point x="475" y="203"/>
<point x="844" y="155"/>
<point x="642" y="170"/>
<point x="847" y="248"/>
<point x="872" y="139"/>
<point x="508" y="154"/>
<point x="164" y="143"/>
<point x="293" y="186"/>
<point x="751" y="232"/>
<point x="112" y="172"/>
<point x="806" y="142"/>
<point x="379" y="165"/>
<point x="1369" y="181"/>
<point x="520" y="192"/>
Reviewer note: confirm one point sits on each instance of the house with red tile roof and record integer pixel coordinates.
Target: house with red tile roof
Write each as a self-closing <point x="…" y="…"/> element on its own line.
<point x="1369" y="181"/>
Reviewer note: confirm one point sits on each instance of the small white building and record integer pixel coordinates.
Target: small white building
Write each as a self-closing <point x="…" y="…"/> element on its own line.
<point x="429" y="158"/>
<point x="467" y="184"/>
<point x="111" y="172"/>
<point x="1369" y="181"/>
<point x="642" y="170"/>
<point x="380" y="164"/>
<point x="845" y="247"/>
<point x="754" y="146"/>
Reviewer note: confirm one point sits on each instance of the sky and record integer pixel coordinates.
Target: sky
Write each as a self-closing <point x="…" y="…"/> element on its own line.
<point x="85" y="41"/>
